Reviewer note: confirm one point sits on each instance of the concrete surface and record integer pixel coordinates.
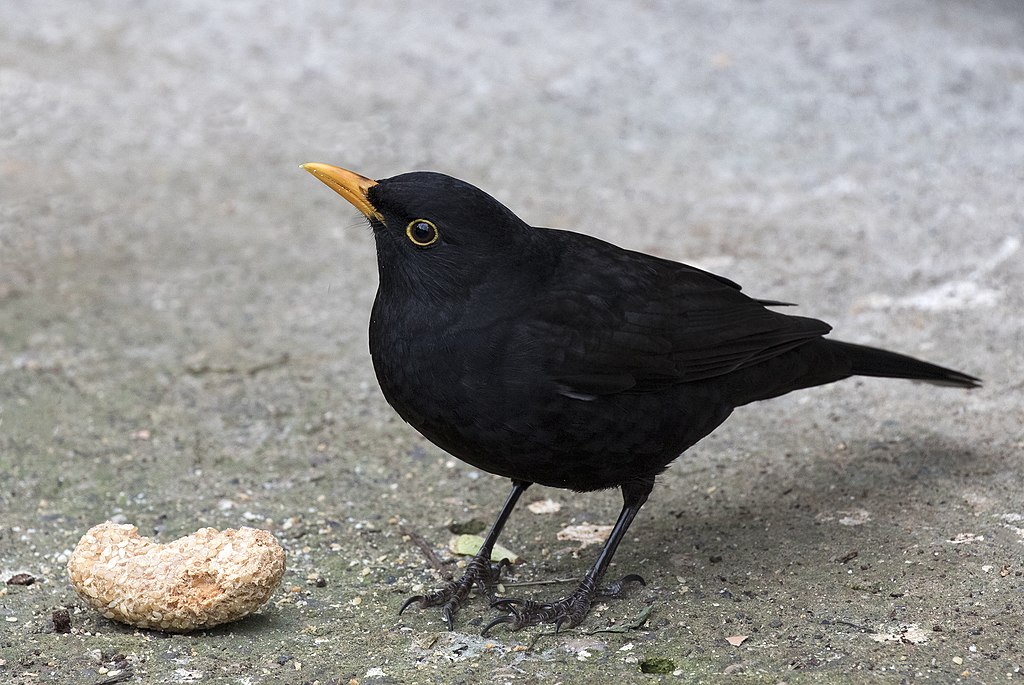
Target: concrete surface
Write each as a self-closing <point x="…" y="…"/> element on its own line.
<point x="183" y="316"/>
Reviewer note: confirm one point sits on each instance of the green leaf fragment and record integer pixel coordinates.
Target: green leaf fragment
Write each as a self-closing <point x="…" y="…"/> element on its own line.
<point x="469" y="545"/>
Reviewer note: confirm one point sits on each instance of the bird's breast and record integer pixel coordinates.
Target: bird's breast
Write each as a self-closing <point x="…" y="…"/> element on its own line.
<point x="421" y="362"/>
<point x="461" y="381"/>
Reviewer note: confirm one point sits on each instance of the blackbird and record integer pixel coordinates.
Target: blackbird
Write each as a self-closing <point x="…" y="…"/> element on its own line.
<point x="552" y="357"/>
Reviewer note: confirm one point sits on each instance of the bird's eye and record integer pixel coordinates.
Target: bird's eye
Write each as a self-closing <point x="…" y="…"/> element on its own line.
<point x="421" y="232"/>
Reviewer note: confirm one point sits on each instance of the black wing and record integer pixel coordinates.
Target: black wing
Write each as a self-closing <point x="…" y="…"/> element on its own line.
<point x="626" y="321"/>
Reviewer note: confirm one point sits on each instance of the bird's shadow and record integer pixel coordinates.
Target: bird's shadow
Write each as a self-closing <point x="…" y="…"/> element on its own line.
<point x="885" y="495"/>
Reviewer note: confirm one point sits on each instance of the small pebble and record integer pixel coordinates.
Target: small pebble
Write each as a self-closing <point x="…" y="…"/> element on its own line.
<point x="21" y="579"/>
<point x="61" y="621"/>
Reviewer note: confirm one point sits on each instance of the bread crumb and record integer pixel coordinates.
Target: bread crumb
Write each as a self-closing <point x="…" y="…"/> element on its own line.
<point x="198" y="581"/>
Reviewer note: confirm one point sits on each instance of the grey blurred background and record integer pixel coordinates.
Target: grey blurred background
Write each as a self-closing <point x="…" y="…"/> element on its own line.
<point x="183" y="316"/>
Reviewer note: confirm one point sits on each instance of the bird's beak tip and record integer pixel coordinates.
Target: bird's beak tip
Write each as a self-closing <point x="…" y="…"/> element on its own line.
<point x="350" y="185"/>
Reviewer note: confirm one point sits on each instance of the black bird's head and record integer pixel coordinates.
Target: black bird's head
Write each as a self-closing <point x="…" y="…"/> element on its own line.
<point x="433" y="232"/>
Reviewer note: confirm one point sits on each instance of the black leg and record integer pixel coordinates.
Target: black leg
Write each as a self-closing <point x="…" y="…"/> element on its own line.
<point x="573" y="609"/>
<point x="481" y="571"/>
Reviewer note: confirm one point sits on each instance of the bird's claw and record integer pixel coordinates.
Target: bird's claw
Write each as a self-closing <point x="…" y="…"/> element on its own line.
<point x="566" y="612"/>
<point x="421" y="599"/>
<point x="614" y="590"/>
<point x="507" y="618"/>
<point x="480" y="572"/>
<point x="524" y="612"/>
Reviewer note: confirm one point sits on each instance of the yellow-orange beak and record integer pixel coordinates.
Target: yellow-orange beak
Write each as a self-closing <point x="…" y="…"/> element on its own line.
<point x="348" y="184"/>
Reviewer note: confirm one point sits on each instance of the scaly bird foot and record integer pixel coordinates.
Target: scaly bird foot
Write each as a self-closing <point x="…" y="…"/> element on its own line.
<point x="566" y="612"/>
<point x="480" y="572"/>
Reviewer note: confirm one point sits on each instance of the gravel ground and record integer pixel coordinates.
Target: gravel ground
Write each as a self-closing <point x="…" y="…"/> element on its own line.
<point x="183" y="327"/>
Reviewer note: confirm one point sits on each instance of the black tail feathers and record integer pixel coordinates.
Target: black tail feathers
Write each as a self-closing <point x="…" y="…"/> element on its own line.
<point x="871" y="361"/>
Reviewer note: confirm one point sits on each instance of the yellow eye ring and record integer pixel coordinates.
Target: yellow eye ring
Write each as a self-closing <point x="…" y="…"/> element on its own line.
<point x="422" y="233"/>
